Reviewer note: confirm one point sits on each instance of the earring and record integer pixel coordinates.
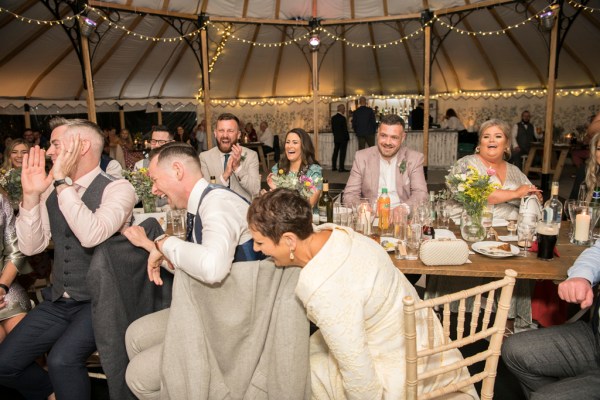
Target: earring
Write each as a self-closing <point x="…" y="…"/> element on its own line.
<point x="292" y="254"/>
<point x="477" y="150"/>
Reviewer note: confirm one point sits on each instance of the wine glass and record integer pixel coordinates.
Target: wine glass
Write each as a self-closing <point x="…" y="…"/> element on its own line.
<point x="526" y="230"/>
<point x="512" y="227"/>
<point x="487" y="217"/>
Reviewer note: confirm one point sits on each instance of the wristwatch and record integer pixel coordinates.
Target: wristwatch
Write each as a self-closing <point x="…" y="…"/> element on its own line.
<point x="67" y="181"/>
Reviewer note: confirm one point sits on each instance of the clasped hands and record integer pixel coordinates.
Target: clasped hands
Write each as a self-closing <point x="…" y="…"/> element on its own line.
<point x="235" y="158"/>
<point x="137" y="236"/>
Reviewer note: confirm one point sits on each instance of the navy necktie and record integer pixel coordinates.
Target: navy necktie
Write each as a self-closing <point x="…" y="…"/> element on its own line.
<point x="225" y="163"/>
<point x="189" y="227"/>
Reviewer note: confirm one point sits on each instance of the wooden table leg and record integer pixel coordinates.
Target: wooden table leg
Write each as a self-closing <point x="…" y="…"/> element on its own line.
<point x="561" y="163"/>
<point x="263" y="162"/>
<point x="530" y="158"/>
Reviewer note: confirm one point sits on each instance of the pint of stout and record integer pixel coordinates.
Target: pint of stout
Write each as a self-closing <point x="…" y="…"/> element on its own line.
<point x="547" y="234"/>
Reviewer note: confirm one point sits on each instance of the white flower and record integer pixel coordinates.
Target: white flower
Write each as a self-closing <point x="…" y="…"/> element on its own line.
<point x="463" y="177"/>
<point x="461" y="187"/>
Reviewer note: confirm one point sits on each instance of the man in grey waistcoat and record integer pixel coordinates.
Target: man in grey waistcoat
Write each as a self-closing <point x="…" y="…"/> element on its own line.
<point x="77" y="206"/>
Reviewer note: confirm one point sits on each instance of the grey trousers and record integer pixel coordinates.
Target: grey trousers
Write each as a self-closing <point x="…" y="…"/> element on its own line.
<point x="144" y="341"/>
<point x="560" y="362"/>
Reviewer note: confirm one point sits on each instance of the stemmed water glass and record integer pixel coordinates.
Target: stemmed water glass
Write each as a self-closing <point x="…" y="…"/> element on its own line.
<point x="487" y="217"/>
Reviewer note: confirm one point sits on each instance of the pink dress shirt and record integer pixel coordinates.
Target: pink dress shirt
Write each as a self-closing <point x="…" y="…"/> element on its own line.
<point x="90" y="227"/>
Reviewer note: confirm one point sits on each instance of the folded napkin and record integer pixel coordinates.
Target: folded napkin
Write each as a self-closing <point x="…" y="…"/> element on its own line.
<point x="499" y="222"/>
<point x="444" y="234"/>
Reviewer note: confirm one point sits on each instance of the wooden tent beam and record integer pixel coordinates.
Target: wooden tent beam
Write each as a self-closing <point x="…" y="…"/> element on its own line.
<point x="411" y="60"/>
<point x="375" y="59"/>
<point x="278" y="63"/>
<point x="315" y="84"/>
<point x="142" y="10"/>
<point x="206" y="86"/>
<point x="581" y="64"/>
<point x="87" y="67"/>
<point x="247" y="61"/>
<point x="448" y="61"/>
<point x="427" y="93"/>
<point x="344" y="64"/>
<point x="518" y="46"/>
<point x="483" y="53"/>
<point x="61" y="57"/>
<point x="143" y="58"/>
<point x="27" y="42"/>
<point x="111" y="51"/>
<point x="178" y="58"/>
<point x="19" y="11"/>
<point x="550" y="97"/>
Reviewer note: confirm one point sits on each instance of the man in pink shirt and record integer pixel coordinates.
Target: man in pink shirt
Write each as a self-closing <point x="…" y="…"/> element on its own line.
<point x="77" y="206"/>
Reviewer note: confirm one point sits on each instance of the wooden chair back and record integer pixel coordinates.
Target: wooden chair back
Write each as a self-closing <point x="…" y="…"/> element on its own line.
<point x="494" y="333"/>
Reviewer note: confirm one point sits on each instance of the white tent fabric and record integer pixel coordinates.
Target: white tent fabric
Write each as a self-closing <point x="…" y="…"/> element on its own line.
<point x="39" y="64"/>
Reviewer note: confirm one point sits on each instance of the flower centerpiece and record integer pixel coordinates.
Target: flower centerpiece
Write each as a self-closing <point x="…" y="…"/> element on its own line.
<point x="143" y="187"/>
<point x="305" y="185"/>
<point x="471" y="189"/>
<point x="10" y="180"/>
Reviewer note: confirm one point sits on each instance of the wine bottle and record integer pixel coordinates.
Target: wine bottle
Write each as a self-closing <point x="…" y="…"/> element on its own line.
<point x="325" y="205"/>
<point x="596" y="195"/>
<point x="553" y="208"/>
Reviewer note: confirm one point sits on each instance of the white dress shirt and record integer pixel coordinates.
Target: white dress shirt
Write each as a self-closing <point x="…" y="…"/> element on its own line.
<point x="90" y="227"/>
<point x="266" y="137"/>
<point x="453" y="123"/>
<point x="224" y="226"/>
<point x="387" y="179"/>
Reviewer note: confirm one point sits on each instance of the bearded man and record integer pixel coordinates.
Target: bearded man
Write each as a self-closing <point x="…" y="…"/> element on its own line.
<point x="232" y="165"/>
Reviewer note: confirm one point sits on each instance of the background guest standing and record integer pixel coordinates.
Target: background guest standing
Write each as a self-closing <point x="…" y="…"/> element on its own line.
<point x="364" y="124"/>
<point x="339" y="126"/>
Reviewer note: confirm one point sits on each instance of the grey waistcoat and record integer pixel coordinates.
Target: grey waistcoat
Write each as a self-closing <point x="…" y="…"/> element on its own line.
<point x="71" y="259"/>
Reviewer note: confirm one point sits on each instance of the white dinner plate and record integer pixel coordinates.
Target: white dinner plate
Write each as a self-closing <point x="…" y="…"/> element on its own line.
<point x="490" y="249"/>
<point x="388" y="243"/>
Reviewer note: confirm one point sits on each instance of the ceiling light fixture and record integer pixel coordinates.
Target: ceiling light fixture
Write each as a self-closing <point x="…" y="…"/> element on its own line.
<point x="314" y="42"/>
<point x="87" y="26"/>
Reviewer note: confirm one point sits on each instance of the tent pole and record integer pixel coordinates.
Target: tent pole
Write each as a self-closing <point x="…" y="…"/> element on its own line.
<point x="426" y="87"/>
<point x="205" y="85"/>
<point x="550" y="93"/>
<point x="91" y="104"/>
<point x="121" y="117"/>
<point x="315" y="79"/>
<point x="27" y="117"/>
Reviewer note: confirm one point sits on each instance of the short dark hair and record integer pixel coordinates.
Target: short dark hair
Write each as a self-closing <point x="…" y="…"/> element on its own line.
<point x="161" y="128"/>
<point x="391" y="119"/>
<point x="279" y="211"/>
<point x="229" y="117"/>
<point x="176" y="150"/>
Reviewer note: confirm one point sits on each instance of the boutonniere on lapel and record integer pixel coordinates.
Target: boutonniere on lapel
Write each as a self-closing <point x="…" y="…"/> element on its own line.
<point x="243" y="157"/>
<point x="402" y="166"/>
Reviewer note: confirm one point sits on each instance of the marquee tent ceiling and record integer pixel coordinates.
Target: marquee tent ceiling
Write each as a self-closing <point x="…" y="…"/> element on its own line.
<point x="40" y="63"/>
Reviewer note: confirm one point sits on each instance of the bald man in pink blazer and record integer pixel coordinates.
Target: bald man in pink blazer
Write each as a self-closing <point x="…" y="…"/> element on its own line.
<point x="402" y="172"/>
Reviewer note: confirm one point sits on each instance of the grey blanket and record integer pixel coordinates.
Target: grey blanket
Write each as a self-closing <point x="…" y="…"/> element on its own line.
<point x="121" y="293"/>
<point x="247" y="339"/>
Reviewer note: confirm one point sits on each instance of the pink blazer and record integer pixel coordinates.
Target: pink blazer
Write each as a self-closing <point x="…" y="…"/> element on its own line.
<point x="364" y="176"/>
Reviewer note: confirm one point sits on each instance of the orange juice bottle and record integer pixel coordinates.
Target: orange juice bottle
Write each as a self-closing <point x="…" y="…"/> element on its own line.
<point x="383" y="210"/>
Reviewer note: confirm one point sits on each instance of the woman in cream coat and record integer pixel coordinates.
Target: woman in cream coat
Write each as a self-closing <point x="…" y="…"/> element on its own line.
<point x="359" y="351"/>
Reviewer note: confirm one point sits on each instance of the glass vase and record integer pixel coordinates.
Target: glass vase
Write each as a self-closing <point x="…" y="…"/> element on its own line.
<point x="471" y="228"/>
<point x="149" y="203"/>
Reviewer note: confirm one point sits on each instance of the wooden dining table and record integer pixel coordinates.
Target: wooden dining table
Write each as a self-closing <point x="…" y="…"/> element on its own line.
<point x="557" y="164"/>
<point x="529" y="267"/>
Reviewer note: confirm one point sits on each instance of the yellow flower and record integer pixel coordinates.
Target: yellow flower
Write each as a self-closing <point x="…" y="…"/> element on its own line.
<point x="307" y="184"/>
<point x="280" y="172"/>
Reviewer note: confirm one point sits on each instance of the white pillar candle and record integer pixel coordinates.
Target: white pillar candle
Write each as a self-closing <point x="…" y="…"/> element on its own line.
<point x="367" y="225"/>
<point x="582" y="227"/>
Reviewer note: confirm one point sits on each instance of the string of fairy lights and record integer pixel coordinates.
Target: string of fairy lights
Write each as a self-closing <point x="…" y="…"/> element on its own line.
<point x="226" y="33"/>
<point x="506" y="94"/>
<point x="576" y="4"/>
<point x="435" y="19"/>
